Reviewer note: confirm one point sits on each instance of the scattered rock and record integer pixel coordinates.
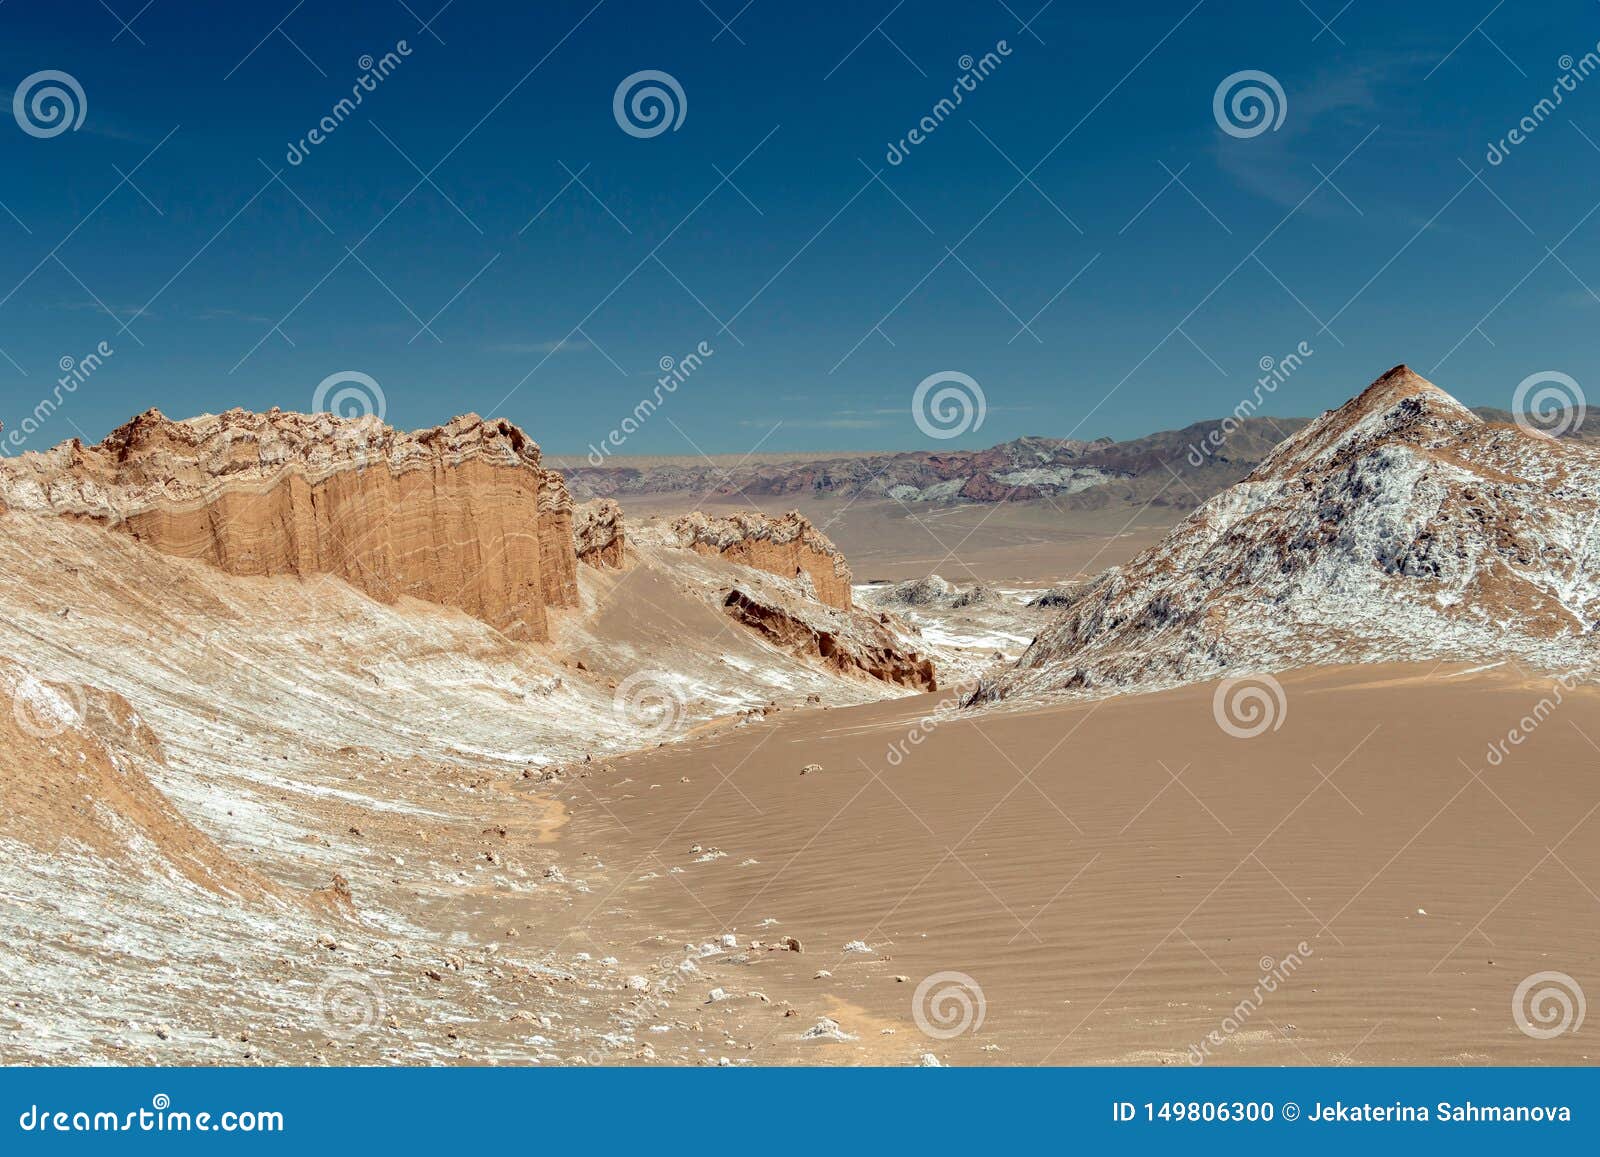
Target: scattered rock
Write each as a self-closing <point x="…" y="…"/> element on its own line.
<point x="826" y="1029"/>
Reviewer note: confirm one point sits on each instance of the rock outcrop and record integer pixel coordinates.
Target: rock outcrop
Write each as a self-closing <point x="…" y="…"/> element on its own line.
<point x="849" y="642"/>
<point x="598" y="534"/>
<point x="462" y="514"/>
<point x="933" y="591"/>
<point x="1399" y="526"/>
<point x="558" y="564"/>
<point x="789" y="547"/>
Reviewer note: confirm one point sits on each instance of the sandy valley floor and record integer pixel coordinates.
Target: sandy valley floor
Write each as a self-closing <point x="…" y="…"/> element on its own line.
<point x="1117" y="877"/>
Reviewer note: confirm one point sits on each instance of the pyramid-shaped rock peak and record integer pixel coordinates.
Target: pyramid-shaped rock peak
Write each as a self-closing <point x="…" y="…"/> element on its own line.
<point x="1401" y="406"/>
<point x="1398" y="526"/>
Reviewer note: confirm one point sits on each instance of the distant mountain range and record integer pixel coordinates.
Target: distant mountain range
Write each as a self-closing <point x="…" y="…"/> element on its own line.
<point x="1172" y="468"/>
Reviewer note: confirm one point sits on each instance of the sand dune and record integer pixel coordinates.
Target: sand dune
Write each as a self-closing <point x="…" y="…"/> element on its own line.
<point x="1111" y="913"/>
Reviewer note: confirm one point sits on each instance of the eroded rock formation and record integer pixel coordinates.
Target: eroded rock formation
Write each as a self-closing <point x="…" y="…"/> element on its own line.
<point x="851" y="643"/>
<point x="462" y="514"/>
<point x="558" y="564"/>
<point x="789" y="547"/>
<point x="598" y="534"/>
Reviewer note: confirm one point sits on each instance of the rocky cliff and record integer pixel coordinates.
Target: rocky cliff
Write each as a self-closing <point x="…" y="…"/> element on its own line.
<point x="462" y="514"/>
<point x="790" y="547"/>
<point x="1399" y="526"/>
<point x="558" y="564"/>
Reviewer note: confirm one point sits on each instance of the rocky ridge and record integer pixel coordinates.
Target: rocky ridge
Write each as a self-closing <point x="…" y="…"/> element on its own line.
<point x="599" y="534"/>
<point x="463" y="514"/>
<point x="1070" y="472"/>
<point x="1400" y="526"/>
<point x="788" y="546"/>
<point x="853" y="643"/>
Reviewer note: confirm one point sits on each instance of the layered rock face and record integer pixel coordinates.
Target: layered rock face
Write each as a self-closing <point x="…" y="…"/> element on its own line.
<point x="1399" y="526"/>
<point x="598" y="534"/>
<point x="558" y="564"/>
<point x="789" y="547"/>
<point x="461" y="514"/>
<point x="850" y="643"/>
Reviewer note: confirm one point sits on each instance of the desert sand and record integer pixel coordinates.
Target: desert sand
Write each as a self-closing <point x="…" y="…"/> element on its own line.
<point x="1116" y="877"/>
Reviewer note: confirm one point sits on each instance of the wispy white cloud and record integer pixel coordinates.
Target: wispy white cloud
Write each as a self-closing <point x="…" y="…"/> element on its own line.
<point x="1277" y="165"/>
<point x="96" y="307"/>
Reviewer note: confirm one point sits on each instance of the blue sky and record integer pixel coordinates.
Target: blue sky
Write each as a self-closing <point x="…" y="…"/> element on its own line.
<point x="1155" y="258"/>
